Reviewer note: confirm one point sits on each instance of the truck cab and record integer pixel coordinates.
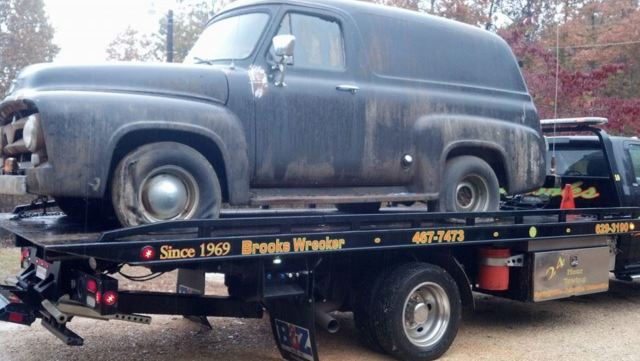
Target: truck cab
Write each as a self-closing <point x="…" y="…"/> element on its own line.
<point x="603" y="171"/>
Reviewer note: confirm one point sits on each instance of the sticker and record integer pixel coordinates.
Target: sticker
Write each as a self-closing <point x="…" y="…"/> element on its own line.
<point x="576" y="188"/>
<point x="294" y="339"/>
<point x="41" y="272"/>
<point x="438" y="236"/>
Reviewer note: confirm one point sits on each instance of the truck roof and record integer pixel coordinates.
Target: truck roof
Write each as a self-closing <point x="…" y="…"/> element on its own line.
<point x="364" y="7"/>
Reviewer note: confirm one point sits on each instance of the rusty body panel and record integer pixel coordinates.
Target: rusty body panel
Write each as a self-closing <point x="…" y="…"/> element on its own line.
<point x="426" y="88"/>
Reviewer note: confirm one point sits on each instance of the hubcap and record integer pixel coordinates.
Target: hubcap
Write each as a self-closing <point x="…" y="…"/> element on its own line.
<point x="169" y="193"/>
<point x="472" y="194"/>
<point x="426" y="314"/>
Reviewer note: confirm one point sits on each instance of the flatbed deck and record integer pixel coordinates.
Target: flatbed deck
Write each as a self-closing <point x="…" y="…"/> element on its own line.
<point x="248" y="234"/>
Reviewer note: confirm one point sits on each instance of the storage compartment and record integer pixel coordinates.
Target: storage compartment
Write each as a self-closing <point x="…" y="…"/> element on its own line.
<point x="572" y="272"/>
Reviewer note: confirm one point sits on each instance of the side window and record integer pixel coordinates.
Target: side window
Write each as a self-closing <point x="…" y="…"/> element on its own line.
<point x="634" y="152"/>
<point x="319" y="42"/>
<point x="580" y="162"/>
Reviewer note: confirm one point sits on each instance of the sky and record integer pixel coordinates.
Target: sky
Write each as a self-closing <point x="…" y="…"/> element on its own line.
<point x="84" y="28"/>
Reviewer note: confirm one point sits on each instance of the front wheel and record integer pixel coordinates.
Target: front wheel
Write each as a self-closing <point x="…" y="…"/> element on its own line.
<point x="163" y="182"/>
<point x="469" y="185"/>
<point x="417" y="312"/>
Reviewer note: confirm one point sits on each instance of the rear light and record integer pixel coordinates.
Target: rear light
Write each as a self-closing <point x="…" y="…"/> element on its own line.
<point x="24" y="257"/>
<point x="92" y="286"/>
<point x="110" y="298"/>
<point x="98" y="297"/>
<point x="147" y="253"/>
<point x="15" y="317"/>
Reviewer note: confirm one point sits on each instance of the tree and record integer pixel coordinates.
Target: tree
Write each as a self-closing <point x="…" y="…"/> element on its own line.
<point x="26" y="37"/>
<point x="189" y="21"/>
<point x="130" y="45"/>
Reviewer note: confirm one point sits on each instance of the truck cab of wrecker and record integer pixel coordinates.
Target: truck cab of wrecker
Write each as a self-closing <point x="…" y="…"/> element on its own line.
<point x="603" y="171"/>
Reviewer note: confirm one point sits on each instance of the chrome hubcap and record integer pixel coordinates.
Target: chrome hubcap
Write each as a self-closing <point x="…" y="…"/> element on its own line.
<point x="426" y="314"/>
<point x="472" y="194"/>
<point x="169" y="193"/>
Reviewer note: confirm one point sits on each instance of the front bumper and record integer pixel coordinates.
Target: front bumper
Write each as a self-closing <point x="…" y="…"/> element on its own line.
<point x="14" y="185"/>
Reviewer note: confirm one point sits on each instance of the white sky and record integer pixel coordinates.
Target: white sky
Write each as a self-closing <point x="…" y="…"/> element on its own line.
<point x="84" y="28"/>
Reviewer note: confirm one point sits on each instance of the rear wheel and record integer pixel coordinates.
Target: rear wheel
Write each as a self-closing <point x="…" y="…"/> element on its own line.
<point x="358" y="207"/>
<point x="469" y="185"/>
<point x="417" y="312"/>
<point x="162" y="182"/>
<point x="362" y="310"/>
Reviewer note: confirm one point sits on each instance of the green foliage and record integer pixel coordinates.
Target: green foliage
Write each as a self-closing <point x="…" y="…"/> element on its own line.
<point x="26" y="37"/>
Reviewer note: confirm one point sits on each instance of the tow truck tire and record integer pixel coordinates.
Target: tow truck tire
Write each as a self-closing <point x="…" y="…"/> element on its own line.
<point x="362" y="310"/>
<point x="358" y="207"/>
<point x="417" y="312"/>
<point x="469" y="185"/>
<point x="165" y="181"/>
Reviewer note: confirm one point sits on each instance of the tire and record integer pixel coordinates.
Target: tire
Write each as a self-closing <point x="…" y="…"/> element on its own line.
<point x="358" y="207"/>
<point x="469" y="185"/>
<point x="362" y="310"/>
<point x="433" y="295"/>
<point x="85" y="209"/>
<point x="141" y="179"/>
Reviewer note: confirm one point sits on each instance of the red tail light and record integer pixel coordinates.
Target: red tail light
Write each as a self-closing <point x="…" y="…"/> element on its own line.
<point x="147" y="253"/>
<point x="92" y="286"/>
<point x="15" y="317"/>
<point x="98" y="297"/>
<point x="110" y="298"/>
<point x="25" y="254"/>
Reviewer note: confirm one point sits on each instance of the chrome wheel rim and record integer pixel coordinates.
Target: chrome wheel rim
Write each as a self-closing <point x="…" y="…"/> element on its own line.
<point x="426" y="314"/>
<point x="169" y="193"/>
<point x="472" y="194"/>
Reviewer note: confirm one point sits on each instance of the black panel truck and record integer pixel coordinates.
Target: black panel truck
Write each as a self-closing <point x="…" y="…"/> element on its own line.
<point x="406" y="275"/>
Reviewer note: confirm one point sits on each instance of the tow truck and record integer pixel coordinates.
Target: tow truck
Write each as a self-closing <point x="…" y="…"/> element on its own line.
<point x="406" y="274"/>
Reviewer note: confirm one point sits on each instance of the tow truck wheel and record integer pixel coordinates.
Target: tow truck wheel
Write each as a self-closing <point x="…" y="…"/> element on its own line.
<point x="417" y="312"/>
<point x="162" y="182"/>
<point x="469" y="185"/>
<point x="363" y="302"/>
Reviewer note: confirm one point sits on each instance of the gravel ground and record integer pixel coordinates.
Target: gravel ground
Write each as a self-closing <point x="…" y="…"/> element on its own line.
<point x="596" y="327"/>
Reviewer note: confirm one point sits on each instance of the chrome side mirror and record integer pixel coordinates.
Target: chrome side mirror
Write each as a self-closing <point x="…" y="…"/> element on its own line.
<point x="284" y="46"/>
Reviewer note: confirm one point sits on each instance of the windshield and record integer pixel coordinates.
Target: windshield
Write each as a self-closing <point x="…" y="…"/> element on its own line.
<point x="232" y="38"/>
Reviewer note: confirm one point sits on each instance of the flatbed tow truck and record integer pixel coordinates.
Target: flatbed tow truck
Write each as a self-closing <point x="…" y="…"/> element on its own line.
<point x="406" y="275"/>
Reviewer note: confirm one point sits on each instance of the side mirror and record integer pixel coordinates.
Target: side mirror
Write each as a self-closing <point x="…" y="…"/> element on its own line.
<point x="284" y="46"/>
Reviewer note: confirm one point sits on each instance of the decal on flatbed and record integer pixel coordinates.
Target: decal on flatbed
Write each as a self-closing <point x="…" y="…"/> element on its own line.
<point x="294" y="339"/>
<point x="297" y="245"/>
<point x="438" y="236"/>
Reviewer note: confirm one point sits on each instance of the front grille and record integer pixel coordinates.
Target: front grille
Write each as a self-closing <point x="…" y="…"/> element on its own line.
<point x="12" y="144"/>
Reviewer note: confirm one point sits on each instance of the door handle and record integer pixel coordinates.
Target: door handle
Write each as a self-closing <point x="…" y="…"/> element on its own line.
<point x="348" y="88"/>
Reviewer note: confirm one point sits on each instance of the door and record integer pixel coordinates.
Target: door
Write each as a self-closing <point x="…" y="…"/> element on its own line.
<point x="308" y="132"/>
<point x="634" y="173"/>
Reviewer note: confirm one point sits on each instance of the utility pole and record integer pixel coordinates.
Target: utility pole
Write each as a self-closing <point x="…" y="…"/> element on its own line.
<point x="170" y="37"/>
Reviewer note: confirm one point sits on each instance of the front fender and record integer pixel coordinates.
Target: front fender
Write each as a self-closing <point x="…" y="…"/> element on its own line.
<point x="83" y="129"/>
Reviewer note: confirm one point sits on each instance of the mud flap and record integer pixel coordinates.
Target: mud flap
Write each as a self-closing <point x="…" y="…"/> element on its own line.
<point x="293" y="326"/>
<point x="192" y="282"/>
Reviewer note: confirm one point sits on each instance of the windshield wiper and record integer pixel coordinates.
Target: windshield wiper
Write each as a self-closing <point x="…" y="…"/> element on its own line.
<point x="203" y="61"/>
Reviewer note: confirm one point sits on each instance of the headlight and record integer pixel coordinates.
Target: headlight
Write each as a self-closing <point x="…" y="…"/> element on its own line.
<point x="32" y="133"/>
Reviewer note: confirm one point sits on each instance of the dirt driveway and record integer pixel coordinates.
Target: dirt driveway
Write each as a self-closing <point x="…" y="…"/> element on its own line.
<point x="598" y="327"/>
